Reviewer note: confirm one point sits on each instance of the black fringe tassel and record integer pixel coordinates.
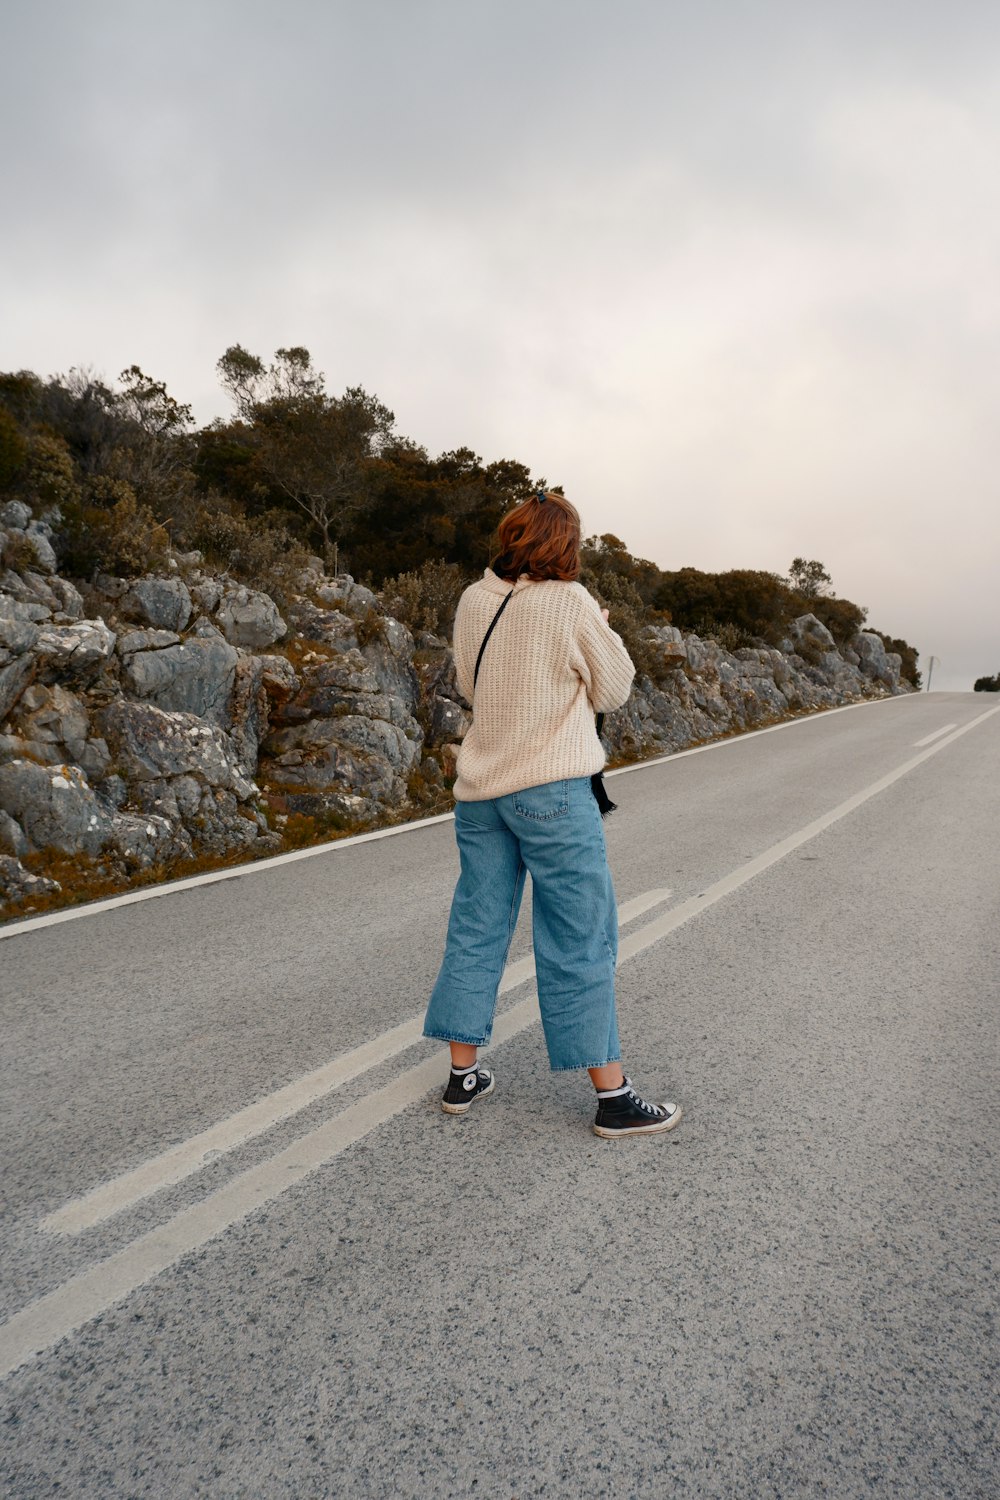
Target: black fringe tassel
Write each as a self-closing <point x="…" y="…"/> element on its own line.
<point x="604" y="802"/>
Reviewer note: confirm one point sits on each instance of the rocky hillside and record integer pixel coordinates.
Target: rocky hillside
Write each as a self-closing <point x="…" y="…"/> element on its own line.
<point x="153" y="726"/>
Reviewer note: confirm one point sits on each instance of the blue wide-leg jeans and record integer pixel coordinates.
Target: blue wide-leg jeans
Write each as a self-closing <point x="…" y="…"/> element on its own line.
<point x="554" y="832"/>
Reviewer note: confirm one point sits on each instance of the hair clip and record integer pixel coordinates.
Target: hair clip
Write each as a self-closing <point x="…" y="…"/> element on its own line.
<point x="541" y="496"/>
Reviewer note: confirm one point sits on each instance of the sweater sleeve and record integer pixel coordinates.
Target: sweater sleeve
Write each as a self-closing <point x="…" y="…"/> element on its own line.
<point x="600" y="658"/>
<point x="464" y="659"/>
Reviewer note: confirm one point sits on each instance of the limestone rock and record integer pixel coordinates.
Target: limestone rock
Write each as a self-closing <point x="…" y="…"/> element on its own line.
<point x="53" y="726"/>
<point x="669" y="644"/>
<point x="249" y="709"/>
<point x="279" y="677"/>
<point x="441" y="709"/>
<point x="144" y="840"/>
<point x="206" y="595"/>
<point x="18" y="884"/>
<point x="350" y="808"/>
<point x="150" y="744"/>
<point x="16" y="515"/>
<point x="340" y="732"/>
<point x="112" y="790"/>
<point x="70" y="599"/>
<point x="17" y="633"/>
<point x="73" y="653"/>
<point x="250" y="619"/>
<point x="55" y="805"/>
<point x="55" y="715"/>
<point x="336" y="697"/>
<point x="874" y="661"/>
<point x="131" y="641"/>
<point x="327" y="627"/>
<point x="389" y="656"/>
<point x="195" y="676"/>
<point x="12" y="839"/>
<point x="344" y="594"/>
<point x="14" y="678"/>
<point x="205" y="630"/>
<point x="163" y="603"/>
<point x="807" y="629"/>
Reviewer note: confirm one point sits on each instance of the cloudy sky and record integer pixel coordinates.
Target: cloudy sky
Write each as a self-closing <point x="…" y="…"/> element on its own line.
<point x="728" y="271"/>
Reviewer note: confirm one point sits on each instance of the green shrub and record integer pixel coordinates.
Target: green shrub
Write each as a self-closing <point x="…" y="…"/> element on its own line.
<point x="13" y="450"/>
<point x="110" y="532"/>
<point x="759" y="604"/>
<point x="50" y="478"/>
<point x="427" y="598"/>
<point x="724" y="633"/>
<point x="261" y="552"/>
<point x="987" y="684"/>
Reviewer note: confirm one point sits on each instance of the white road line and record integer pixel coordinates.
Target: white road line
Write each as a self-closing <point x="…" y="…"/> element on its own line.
<point x="170" y="887"/>
<point x="254" y="867"/>
<point x="85" y="1296"/>
<point x="190" y="1156"/>
<point x="927" y="739"/>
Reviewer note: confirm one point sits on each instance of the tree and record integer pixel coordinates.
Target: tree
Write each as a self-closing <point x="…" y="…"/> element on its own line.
<point x="313" y="452"/>
<point x="316" y="452"/>
<point x="424" y="508"/>
<point x="252" y="384"/>
<point x="148" y="403"/>
<point x="809" y="578"/>
<point x="987" y="684"/>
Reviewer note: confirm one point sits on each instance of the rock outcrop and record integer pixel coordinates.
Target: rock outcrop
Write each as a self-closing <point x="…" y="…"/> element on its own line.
<point x="148" y="721"/>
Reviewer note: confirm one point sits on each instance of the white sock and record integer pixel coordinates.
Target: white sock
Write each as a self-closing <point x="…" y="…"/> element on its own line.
<point x="462" y="1071"/>
<point x="613" y="1093"/>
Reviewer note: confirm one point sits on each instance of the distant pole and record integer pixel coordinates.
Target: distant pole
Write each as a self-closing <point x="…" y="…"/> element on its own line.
<point x="934" y="661"/>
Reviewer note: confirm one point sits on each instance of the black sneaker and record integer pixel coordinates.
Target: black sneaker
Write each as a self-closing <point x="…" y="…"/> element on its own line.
<point x="463" y="1088"/>
<point x="621" y="1112"/>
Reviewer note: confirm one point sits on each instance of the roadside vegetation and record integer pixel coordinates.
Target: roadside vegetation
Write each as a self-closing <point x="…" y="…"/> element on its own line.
<point x="295" y="471"/>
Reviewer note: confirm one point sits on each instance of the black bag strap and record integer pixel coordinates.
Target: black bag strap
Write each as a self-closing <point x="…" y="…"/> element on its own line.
<point x="506" y="601"/>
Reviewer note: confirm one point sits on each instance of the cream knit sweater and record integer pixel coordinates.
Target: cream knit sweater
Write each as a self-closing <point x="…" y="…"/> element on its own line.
<point x="551" y="663"/>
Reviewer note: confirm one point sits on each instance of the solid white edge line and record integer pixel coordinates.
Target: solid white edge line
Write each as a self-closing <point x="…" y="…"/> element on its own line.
<point x="253" y="867"/>
<point x="187" y="1157"/>
<point x="211" y="877"/>
<point x="928" y="738"/>
<point x="84" y="1296"/>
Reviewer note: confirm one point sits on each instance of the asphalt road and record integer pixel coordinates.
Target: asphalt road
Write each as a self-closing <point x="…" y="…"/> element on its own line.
<point x="245" y="1255"/>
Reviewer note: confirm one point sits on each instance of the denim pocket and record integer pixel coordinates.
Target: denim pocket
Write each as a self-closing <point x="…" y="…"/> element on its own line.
<point x="551" y="800"/>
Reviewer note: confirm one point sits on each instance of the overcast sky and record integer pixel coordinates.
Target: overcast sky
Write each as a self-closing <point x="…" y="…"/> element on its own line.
<point x="729" y="272"/>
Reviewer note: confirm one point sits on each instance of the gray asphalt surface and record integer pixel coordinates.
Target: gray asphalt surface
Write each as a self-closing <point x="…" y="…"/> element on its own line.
<point x="792" y="1295"/>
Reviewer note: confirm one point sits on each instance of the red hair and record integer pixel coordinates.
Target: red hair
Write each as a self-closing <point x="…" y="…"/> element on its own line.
<point x="540" y="538"/>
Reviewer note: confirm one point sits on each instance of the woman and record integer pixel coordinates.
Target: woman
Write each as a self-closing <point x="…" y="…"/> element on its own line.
<point x="524" y="802"/>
